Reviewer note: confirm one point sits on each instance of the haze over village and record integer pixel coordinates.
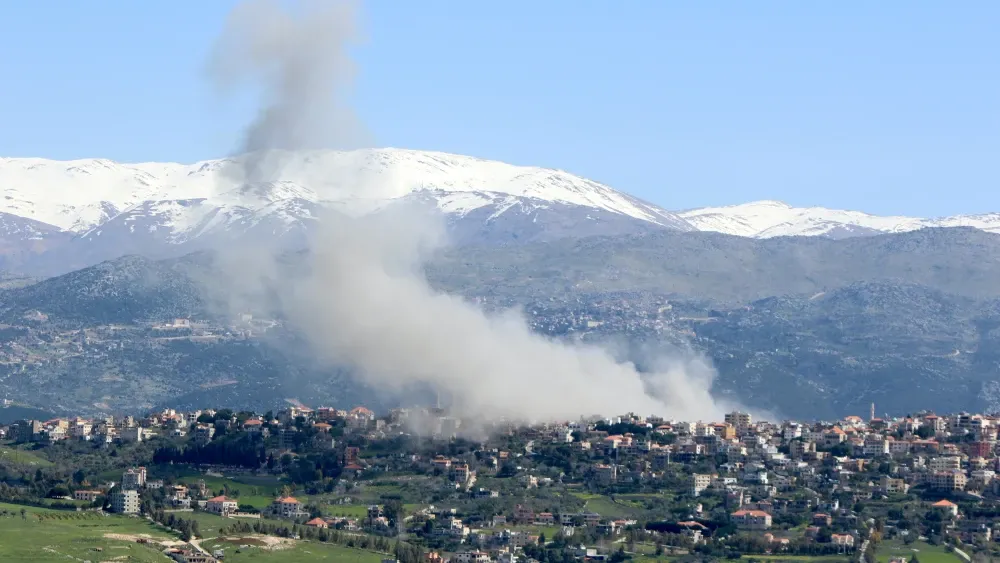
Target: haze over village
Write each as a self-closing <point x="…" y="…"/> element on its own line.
<point x="719" y="284"/>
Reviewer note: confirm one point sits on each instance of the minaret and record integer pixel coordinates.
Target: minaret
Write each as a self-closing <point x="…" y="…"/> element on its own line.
<point x="872" y="417"/>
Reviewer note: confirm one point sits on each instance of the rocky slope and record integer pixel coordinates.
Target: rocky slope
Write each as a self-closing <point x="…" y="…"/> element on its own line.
<point x="805" y="327"/>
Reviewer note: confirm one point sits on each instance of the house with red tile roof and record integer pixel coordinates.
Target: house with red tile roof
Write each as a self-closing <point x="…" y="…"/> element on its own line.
<point x="946" y="506"/>
<point x="287" y="507"/>
<point x="751" y="519"/>
<point x="221" y="505"/>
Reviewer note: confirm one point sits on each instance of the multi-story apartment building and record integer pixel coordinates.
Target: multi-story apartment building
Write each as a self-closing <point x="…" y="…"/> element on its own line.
<point x="700" y="482"/>
<point x="953" y="480"/>
<point x="741" y="421"/>
<point x="125" y="501"/>
<point x="134" y="478"/>
<point x="944" y="463"/>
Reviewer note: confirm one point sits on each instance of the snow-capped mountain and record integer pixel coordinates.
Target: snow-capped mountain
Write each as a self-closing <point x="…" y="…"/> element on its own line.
<point x="108" y="208"/>
<point x="81" y="195"/>
<point x="75" y="213"/>
<point x="767" y="219"/>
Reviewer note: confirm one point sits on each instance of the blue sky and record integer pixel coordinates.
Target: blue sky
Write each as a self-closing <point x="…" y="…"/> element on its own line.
<point x="887" y="107"/>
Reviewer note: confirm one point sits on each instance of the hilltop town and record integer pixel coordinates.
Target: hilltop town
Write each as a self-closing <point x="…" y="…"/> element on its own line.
<point x="421" y="485"/>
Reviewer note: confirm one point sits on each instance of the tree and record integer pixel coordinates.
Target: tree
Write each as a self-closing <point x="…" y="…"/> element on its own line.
<point x="393" y="509"/>
<point x="619" y="556"/>
<point x="508" y="470"/>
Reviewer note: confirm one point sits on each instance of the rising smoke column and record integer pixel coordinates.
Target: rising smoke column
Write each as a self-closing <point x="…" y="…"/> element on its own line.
<point x="298" y="64"/>
<point x="364" y="301"/>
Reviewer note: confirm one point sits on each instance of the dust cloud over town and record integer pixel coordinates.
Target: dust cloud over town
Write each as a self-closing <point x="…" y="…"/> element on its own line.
<point x="363" y="300"/>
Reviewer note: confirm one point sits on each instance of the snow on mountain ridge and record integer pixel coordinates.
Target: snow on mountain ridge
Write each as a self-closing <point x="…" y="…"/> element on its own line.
<point x="81" y="195"/>
<point x="180" y="202"/>
<point x="767" y="219"/>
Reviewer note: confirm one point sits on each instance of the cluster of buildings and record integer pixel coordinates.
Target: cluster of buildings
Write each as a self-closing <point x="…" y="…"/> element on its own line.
<point x="765" y="471"/>
<point x="105" y="430"/>
<point x="762" y="471"/>
<point x="124" y="497"/>
<point x="173" y="423"/>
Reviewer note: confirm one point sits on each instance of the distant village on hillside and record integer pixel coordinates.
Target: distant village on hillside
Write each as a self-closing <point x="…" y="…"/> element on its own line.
<point x="412" y="486"/>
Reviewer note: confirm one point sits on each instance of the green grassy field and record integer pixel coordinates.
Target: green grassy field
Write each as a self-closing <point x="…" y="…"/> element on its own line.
<point x="210" y="524"/>
<point x="810" y="558"/>
<point x="52" y="535"/>
<point x="80" y="503"/>
<point x="347" y="510"/>
<point x="19" y="456"/>
<point x="302" y="551"/>
<point x="605" y="506"/>
<point x="925" y="552"/>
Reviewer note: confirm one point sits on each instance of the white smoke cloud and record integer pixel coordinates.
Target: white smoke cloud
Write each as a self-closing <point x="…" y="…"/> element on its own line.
<point x="298" y="62"/>
<point x="364" y="301"/>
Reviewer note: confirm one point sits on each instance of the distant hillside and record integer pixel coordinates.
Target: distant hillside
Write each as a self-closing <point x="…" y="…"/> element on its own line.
<point x="11" y="413"/>
<point x="802" y="326"/>
<point x="728" y="269"/>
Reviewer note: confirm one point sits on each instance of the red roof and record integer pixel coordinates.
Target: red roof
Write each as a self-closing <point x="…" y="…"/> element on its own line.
<point x="287" y="500"/>
<point x="944" y="504"/>
<point x="221" y="499"/>
<point x="750" y="513"/>
<point x="319" y="522"/>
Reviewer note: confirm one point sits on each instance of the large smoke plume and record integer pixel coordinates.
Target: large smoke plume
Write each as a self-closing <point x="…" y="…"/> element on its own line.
<point x="298" y="64"/>
<point x="364" y="301"/>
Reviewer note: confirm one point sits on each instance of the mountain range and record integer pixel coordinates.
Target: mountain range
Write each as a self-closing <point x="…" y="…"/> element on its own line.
<point x="804" y="327"/>
<point x="807" y="312"/>
<point x="56" y="216"/>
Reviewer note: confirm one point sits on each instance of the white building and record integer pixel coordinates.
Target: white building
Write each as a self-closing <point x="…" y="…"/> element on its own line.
<point x="125" y="501"/>
<point x="876" y="446"/>
<point x="947" y="463"/>
<point x="700" y="482"/>
<point x="287" y="507"/>
<point x="134" y="478"/>
<point x="222" y="506"/>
